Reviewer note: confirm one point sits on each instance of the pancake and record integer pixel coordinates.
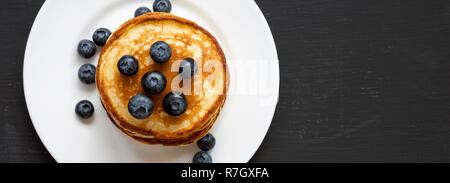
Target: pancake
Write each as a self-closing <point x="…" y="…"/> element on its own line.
<point x="170" y="142"/>
<point x="205" y="97"/>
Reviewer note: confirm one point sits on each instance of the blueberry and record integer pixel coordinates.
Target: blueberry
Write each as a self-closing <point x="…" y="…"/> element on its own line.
<point x="202" y="157"/>
<point x="140" y="106"/>
<point x="162" y="6"/>
<point x="207" y="142"/>
<point x="175" y="103"/>
<point x="141" y="10"/>
<point x="86" y="48"/>
<point x="128" y="65"/>
<point x="160" y="52"/>
<point x="86" y="73"/>
<point x="100" y="36"/>
<point x="84" y="109"/>
<point x="188" y="65"/>
<point x="154" y="82"/>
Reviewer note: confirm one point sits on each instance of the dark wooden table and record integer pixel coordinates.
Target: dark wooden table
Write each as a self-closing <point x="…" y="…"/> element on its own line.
<point x="361" y="81"/>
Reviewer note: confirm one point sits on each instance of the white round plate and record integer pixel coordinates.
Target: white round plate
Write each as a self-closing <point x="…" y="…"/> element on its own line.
<point x="52" y="87"/>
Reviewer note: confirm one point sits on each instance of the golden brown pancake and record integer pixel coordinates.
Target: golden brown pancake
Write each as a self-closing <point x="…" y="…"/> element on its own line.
<point x="186" y="39"/>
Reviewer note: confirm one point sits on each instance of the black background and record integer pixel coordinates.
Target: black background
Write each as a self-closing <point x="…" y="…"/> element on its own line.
<point x="361" y="81"/>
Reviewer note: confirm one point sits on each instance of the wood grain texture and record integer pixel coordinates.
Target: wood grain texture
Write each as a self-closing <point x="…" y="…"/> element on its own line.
<point x="361" y="81"/>
<point x="18" y="139"/>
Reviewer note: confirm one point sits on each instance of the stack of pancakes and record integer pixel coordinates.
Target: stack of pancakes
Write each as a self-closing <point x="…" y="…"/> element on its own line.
<point x="205" y="97"/>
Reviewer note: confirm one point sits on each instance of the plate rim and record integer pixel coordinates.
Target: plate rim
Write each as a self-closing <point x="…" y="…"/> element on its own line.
<point x="39" y="132"/>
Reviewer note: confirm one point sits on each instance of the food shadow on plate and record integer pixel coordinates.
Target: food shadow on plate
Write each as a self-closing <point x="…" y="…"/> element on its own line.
<point x="87" y="87"/>
<point x="144" y="152"/>
<point x="87" y="121"/>
<point x="114" y="138"/>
